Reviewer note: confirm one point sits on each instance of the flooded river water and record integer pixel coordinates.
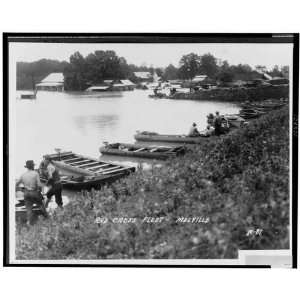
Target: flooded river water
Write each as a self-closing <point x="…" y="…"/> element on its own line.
<point x="81" y="122"/>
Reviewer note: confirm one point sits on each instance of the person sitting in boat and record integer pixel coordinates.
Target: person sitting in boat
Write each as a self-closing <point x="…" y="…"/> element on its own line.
<point x="193" y="131"/>
<point x="210" y="130"/>
<point x="32" y="195"/>
<point x="53" y="180"/>
<point x="225" y="125"/>
<point x="210" y="119"/>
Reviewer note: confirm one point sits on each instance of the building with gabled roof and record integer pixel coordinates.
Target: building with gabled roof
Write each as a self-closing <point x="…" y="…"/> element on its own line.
<point x="142" y="75"/>
<point x="53" y="82"/>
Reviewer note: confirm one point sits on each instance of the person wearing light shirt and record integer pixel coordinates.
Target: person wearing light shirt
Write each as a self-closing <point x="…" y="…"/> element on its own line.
<point x="193" y="131"/>
<point x="32" y="194"/>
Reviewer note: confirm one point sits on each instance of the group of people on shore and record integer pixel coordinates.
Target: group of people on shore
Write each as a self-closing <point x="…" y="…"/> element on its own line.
<point x="214" y="127"/>
<point x="33" y="188"/>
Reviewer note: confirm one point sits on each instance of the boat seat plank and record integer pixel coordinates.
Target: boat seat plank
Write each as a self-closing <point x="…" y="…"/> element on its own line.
<point x="109" y="169"/>
<point x="114" y="171"/>
<point x="90" y="163"/>
<point x="78" y="163"/>
<point x="139" y="150"/>
<point x="97" y="167"/>
<point x="72" y="159"/>
<point x="61" y="155"/>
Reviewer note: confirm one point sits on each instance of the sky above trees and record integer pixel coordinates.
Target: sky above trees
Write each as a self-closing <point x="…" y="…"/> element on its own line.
<point x="161" y="55"/>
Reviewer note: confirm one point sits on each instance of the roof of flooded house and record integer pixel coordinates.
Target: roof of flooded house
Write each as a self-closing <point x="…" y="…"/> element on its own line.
<point x="144" y="75"/>
<point x="54" y="77"/>
<point x="50" y="84"/>
<point x="200" y="77"/>
<point x="127" y="82"/>
<point x="98" y="87"/>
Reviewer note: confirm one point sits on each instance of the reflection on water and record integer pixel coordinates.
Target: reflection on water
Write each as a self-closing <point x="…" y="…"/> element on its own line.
<point x="87" y="122"/>
<point x="94" y="95"/>
<point x="81" y="122"/>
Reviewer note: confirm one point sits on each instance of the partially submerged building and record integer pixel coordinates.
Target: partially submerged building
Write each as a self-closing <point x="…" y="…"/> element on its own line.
<point x="53" y="82"/>
<point x="203" y="81"/>
<point x="143" y="76"/>
<point x="113" y="85"/>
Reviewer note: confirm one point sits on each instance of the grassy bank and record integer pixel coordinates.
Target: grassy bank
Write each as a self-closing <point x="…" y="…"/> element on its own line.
<point x="237" y="94"/>
<point x="239" y="182"/>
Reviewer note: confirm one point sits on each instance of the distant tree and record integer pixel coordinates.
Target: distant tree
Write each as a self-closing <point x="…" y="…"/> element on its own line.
<point x="285" y="71"/>
<point x="189" y="66"/>
<point x="30" y="73"/>
<point x="75" y="73"/>
<point x="94" y="68"/>
<point x="208" y="65"/>
<point x="261" y="69"/>
<point x="243" y="68"/>
<point x="170" y="73"/>
<point x="224" y="66"/>
<point x="225" y="76"/>
<point x="275" y="72"/>
<point x="159" y="72"/>
<point x="243" y="72"/>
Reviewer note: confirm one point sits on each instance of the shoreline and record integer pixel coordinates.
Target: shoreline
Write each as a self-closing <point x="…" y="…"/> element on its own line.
<point x="236" y="94"/>
<point x="228" y="181"/>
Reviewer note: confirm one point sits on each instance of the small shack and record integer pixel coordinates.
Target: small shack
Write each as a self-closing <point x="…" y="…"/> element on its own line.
<point x="98" y="88"/>
<point x="53" y="82"/>
<point x="203" y="81"/>
<point x="143" y="76"/>
<point x="112" y="85"/>
<point x="122" y="85"/>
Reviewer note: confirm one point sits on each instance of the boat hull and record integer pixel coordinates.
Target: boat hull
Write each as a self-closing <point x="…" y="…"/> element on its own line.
<point x="75" y="184"/>
<point x="169" y="153"/>
<point x="181" y="139"/>
<point x="30" y="97"/>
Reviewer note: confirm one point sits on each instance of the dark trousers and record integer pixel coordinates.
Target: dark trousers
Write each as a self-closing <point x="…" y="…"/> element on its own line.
<point x="218" y="130"/>
<point x="55" y="190"/>
<point x="31" y="198"/>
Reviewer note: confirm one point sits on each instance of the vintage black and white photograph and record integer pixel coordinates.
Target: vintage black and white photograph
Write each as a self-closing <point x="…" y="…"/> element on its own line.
<point x="150" y="150"/>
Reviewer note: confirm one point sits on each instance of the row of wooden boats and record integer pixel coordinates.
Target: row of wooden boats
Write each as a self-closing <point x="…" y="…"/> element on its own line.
<point x="252" y="110"/>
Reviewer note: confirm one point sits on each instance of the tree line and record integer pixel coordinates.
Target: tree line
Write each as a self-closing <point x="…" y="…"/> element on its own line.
<point x="81" y="72"/>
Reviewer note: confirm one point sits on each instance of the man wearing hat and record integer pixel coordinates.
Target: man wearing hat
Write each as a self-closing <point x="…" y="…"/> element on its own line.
<point x="194" y="131"/>
<point x="53" y="180"/>
<point x="32" y="186"/>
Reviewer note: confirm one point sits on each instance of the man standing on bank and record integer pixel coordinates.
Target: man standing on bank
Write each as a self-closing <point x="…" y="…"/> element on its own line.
<point x="53" y="180"/>
<point x="32" y="194"/>
<point x="218" y="124"/>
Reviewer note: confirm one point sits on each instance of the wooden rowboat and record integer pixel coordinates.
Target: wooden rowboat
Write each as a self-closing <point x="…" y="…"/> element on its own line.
<point x="28" y="96"/>
<point x="83" y="172"/>
<point x="234" y="120"/>
<point x="251" y="113"/>
<point x="132" y="150"/>
<point x="183" y="139"/>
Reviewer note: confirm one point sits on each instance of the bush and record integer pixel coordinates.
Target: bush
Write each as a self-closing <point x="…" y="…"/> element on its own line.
<point x="239" y="181"/>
